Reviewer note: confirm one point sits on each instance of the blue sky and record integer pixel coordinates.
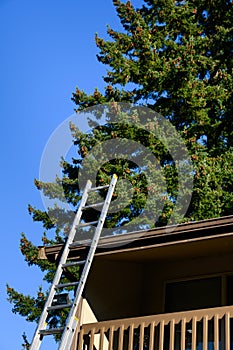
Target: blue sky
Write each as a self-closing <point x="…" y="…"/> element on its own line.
<point x="47" y="49"/>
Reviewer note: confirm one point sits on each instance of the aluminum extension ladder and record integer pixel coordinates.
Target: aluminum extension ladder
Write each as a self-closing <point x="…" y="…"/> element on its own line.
<point x="68" y="330"/>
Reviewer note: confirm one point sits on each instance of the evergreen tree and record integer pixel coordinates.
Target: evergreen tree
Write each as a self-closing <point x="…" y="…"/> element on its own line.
<point x="175" y="57"/>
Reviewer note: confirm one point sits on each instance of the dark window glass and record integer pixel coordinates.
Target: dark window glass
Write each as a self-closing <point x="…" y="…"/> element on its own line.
<point x="229" y="290"/>
<point x="193" y="294"/>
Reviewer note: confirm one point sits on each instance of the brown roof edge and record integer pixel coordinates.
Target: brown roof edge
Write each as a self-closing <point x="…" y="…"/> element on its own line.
<point x="141" y="239"/>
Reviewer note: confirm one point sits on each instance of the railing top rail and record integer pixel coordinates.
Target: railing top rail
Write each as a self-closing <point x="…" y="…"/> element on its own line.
<point x="176" y="317"/>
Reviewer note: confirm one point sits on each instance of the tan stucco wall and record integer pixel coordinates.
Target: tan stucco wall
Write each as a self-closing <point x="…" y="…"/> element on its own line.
<point x="119" y="289"/>
<point x="156" y="275"/>
<point x="114" y="289"/>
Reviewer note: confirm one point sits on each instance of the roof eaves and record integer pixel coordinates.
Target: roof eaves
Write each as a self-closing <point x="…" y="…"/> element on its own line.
<point x="142" y="239"/>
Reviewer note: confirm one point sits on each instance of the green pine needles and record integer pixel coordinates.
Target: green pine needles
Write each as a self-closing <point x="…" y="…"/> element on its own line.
<point x="175" y="57"/>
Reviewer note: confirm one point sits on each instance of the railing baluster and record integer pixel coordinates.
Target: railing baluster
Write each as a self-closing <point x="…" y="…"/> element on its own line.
<point x="172" y="335"/>
<point x="141" y="337"/>
<point x="120" y="338"/>
<point x="227" y="331"/>
<point x="111" y="335"/>
<point x="216" y="332"/>
<point x="101" y="339"/>
<point x="152" y="334"/>
<point x="131" y="333"/>
<point x="80" y="339"/>
<point x="92" y="339"/>
<point x="183" y="334"/>
<point x="161" y="335"/>
<point x="194" y="333"/>
<point x="205" y="333"/>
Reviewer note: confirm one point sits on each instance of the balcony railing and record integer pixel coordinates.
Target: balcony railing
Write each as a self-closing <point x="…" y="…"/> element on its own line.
<point x="207" y="329"/>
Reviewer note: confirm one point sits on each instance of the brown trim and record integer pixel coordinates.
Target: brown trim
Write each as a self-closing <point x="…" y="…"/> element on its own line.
<point x="156" y="325"/>
<point x="187" y="232"/>
<point x="176" y="316"/>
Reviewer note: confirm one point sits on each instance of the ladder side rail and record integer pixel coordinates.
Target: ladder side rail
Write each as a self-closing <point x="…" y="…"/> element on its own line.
<point x="37" y="338"/>
<point x="72" y="320"/>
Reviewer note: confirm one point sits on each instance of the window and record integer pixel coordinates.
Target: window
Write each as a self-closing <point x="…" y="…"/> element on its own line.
<point x="194" y="294"/>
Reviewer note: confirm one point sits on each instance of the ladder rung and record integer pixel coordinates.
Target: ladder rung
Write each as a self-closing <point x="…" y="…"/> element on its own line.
<point x="87" y="224"/>
<point x="64" y="285"/>
<point x="74" y="263"/>
<point x="57" y="307"/>
<point x="83" y="242"/>
<point x="51" y="331"/>
<point x="93" y="205"/>
<point x="98" y="188"/>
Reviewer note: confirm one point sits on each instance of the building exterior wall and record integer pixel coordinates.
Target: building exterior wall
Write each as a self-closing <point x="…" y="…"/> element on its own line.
<point x="114" y="289"/>
<point x="158" y="274"/>
<point x="119" y="289"/>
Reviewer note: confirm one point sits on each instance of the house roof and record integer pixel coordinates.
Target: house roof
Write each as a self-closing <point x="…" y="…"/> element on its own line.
<point x="202" y="236"/>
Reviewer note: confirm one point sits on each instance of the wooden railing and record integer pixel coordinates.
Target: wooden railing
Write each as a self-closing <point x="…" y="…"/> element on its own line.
<point x="200" y="329"/>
